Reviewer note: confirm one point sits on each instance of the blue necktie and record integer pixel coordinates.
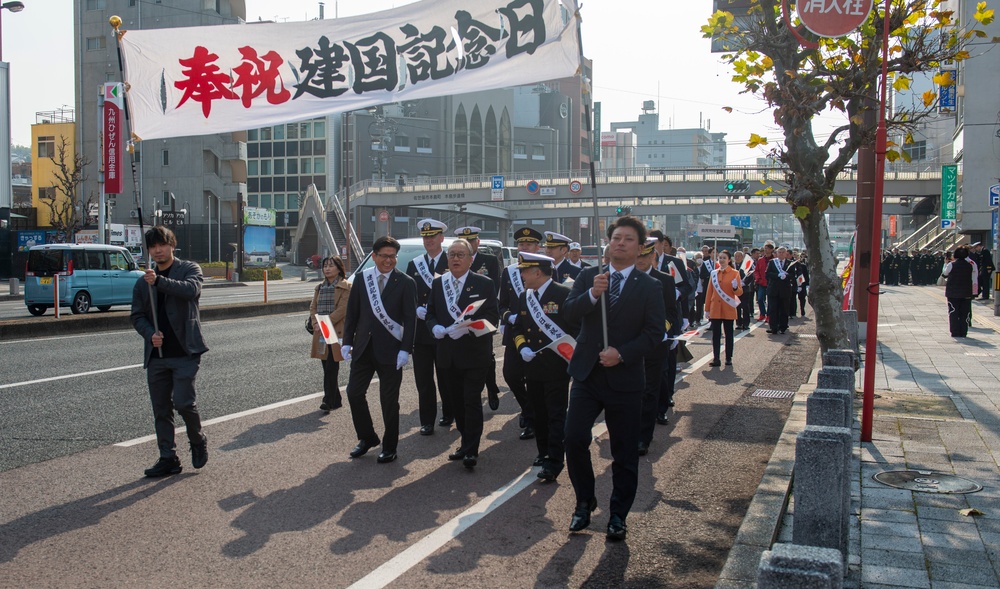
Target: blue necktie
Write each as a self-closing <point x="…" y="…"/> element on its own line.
<point x="616" y="287"/>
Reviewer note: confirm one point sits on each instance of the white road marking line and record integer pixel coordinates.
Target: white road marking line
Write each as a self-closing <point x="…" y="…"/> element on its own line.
<point x="58" y="337"/>
<point x="65" y="376"/>
<point x="407" y="559"/>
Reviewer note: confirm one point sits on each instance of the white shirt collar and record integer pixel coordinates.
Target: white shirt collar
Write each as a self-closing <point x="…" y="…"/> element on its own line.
<point x="541" y="289"/>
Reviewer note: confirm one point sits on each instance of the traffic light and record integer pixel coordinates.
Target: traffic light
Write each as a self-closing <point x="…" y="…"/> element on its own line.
<point x="623" y="210"/>
<point x="737" y="186"/>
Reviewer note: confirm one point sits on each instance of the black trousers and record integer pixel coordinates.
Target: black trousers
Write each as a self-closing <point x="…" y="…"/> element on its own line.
<point x="959" y="313"/>
<point x="363" y="368"/>
<point x="667" y="382"/>
<point x="718" y="326"/>
<point x="331" y="376"/>
<point x="171" y="387"/>
<point x="777" y="310"/>
<point x="622" y="414"/>
<point x="699" y="306"/>
<point x="513" y="374"/>
<point x="466" y="389"/>
<point x="651" y="395"/>
<point x="802" y="300"/>
<point x="424" y="368"/>
<point x="744" y="313"/>
<point x="549" y="399"/>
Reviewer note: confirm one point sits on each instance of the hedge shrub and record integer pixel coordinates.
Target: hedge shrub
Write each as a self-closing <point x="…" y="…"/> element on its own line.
<point x="257" y="274"/>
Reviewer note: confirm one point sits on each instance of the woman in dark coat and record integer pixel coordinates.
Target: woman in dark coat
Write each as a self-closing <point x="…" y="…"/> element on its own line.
<point x="961" y="288"/>
<point x="330" y="298"/>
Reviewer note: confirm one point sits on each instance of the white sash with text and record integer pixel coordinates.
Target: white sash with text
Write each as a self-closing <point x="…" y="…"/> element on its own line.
<point x="375" y="297"/>
<point x="734" y="303"/>
<point x="550" y="329"/>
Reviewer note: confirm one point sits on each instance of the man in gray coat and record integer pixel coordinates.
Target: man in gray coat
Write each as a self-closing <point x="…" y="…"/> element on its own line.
<point x="165" y="314"/>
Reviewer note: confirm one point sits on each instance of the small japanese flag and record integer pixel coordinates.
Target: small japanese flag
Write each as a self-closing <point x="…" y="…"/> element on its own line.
<point x="471" y="309"/>
<point x="673" y="270"/>
<point x="564" y="347"/>
<point x="478" y="327"/>
<point x="747" y="264"/>
<point x="326" y="329"/>
<point x="800" y="280"/>
<point x="686" y="336"/>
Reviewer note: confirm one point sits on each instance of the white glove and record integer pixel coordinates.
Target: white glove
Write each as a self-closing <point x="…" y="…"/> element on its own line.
<point x="800" y="289"/>
<point x="666" y="336"/>
<point x="677" y="293"/>
<point x="511" y="318"/>
<point x="783" y="275"/>
<point x="439" y="332"/>
<point x="684" y="325"/>
<point x="422" y="313"/>
<point x="736" y="283"/>
<point x="458" y="333"/>
<point x="345" y="351"/>
<point x="675" y="344"/>
<point x="501" y="328"/>
<point x="527" y="354"/>
<point x="401" y="359"/>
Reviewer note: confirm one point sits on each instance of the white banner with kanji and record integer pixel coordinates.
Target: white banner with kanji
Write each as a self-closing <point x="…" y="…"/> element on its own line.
<point x="203" y="80"/>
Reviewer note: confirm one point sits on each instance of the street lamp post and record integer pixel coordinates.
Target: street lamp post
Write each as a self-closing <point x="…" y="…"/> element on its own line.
<point x="14" y="6"/>
<point x="6" y="191"/>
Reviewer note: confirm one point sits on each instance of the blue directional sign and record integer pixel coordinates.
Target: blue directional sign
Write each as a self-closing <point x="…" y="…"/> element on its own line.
<point x="497" y="182"/>
<point x="740" y="221"/>
<point x="995" y="195"/>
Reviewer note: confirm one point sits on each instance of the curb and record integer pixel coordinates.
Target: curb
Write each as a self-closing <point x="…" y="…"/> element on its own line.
<point x="91" y="322"/>
<point x="763" y="520"/>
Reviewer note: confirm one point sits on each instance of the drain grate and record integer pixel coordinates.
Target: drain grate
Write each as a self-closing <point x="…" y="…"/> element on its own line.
<point x="773" y="394"/>
<point x="927" y="481"/>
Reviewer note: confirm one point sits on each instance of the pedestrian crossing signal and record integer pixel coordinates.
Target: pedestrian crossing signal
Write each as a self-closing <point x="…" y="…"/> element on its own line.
<point x="737" y="186"/>
<point x="624" y="210"/>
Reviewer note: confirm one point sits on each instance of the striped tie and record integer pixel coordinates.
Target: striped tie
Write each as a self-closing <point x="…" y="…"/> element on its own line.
<point x="616" y="287"/>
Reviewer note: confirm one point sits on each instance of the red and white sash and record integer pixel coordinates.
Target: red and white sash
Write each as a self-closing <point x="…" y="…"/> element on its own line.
<point x="734" y="303"/>
<point x="375" y="297"/>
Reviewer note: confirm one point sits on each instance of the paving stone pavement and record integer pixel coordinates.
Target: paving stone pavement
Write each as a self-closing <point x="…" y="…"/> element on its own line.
<point x="937" y="409"/>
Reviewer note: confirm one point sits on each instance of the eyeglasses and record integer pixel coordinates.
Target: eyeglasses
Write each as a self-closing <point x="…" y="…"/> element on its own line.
<point x="386" y="256"/>
<point x="457" y="255"/>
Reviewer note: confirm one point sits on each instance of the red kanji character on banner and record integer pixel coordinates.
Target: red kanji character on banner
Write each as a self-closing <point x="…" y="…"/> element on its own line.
<point x="205" y="82"/>
<point x="254" y="77"/>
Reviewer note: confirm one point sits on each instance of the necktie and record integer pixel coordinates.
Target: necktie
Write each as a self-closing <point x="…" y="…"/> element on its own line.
<point x="616" y="287"/>
<point x="455" y="284"/>
<point x="381" y="282"/>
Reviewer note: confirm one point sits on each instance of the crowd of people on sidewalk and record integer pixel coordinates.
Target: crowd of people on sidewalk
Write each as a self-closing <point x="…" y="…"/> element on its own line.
<point x="923" y="267"/>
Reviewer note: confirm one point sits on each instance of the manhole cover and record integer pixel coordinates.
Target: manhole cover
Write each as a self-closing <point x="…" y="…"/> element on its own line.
<point x="927" y="481"/>
<point x="772" y="394"/>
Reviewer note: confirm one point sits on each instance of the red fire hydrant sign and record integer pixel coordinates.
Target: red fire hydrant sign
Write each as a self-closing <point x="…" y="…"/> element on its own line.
<point x="833" y="18"/>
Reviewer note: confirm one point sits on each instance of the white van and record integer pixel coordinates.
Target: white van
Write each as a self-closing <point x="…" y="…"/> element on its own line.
<point x="89" y="275"/>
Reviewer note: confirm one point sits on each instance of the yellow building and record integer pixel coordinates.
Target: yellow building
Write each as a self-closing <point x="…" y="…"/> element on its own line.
<point x="47" y="134"/>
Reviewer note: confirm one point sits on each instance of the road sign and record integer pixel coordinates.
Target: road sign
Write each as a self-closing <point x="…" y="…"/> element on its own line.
<point x="949" y="195"/>
<point x="740" y="221"/>
<point x="709" y="231"/>
<point x="834" y="19"/>
<point x="383" y="216"/>
<point x="995" y="195"/>
<point x="948" y="224"/>
<point x="575" y="186"/>
<point x="548" y="191"/>
<point x="532" y="186"/>
<point x="497" y="188"/>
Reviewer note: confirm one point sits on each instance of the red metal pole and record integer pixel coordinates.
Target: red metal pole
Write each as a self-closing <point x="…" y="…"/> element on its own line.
<point x="871" y="334"/>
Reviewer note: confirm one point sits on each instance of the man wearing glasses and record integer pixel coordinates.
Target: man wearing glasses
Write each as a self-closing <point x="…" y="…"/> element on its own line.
<point x="378" y="338"/>
<point x="465" y="351"/>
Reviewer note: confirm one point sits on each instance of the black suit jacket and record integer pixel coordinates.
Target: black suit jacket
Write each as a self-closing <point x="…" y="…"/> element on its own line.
<point x="467" y="351"/>
<point x="547" y="365"/>
<point x="635" y="326"/>
<point x="774" y="282"/>
<point x="487" y="265"/>
<point x="423" y="335"/>
<point x="361" y="328"/>
<point x="509" y="305"/>
<point x="681" y="283"/>
<point x="182" y="287"/>
<point x="671" y="309"/>
<point x="565" y="270"/>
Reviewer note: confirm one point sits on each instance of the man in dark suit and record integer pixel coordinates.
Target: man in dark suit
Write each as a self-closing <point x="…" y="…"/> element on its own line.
<point x="511" y="287"/>
<point x="378" y="338"/>
<point x="465" y="353"/>
<point x="423" y="269"/>
<point x="779" y="291"/>
<point x="486" y="265"/>
<point x="654" y="362"/>
<point x="557" y="247"/>
<point x="540" y="322"/>
<point x="676" y="268"/>
<point x="610" y="376"/>
<point x="170" y="326"/>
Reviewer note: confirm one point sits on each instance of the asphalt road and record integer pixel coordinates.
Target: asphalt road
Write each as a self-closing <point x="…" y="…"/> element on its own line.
<point x="281" y="504"/>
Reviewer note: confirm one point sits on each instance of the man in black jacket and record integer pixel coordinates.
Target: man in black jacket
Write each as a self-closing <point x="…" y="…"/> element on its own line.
<point x="423" y="269"/>
<point x="677" y="269"/>
<point x="485" y="265"/>
<point x="378" y="338"/>
<point x="779" y="291"/>
<point x="609" y="376"/>
<point x="170" y="326"/>
<point x="465" y="353"/>
<point x="540" y="322"/>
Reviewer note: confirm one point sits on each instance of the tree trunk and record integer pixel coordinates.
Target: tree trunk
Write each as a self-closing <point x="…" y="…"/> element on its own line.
<point x="826" y="293"/>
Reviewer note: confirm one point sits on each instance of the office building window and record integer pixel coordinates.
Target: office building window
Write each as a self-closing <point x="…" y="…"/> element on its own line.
<point x="265" y="134"/>
<point x="279" y="202"/>
<point x="165" y="157"/>
<point x="319" y="129"/>
<point x="252" y="167"/>
<point x="520" y="151"/>
<point x="47" y="192"/>
<point x="265" y="167"/>
<point x="917" y="150"/>
<point x="293" y="131"/>
<point x="96" y="43"/>
<point x="47" y="146"/>
<point x="251" y="200"/>
<point x="537" y="152"/>
<point x="423" y="145"/>
<point x="293" y="166"/>
<point x="96" y="5"/>
<point x="279" y="133"/>
<point x="252" y="135"/>
<point x="402" y="143"/>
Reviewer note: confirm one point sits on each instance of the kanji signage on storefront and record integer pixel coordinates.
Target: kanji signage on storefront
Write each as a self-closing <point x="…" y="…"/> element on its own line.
<point x="833" y="18"/>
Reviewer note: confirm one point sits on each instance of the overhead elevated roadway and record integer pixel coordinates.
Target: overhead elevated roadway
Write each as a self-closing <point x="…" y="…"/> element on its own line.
<point x="648" y="191"/>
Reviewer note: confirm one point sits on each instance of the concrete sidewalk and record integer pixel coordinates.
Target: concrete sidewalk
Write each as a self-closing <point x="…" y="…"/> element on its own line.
<point x="937" y="409"/>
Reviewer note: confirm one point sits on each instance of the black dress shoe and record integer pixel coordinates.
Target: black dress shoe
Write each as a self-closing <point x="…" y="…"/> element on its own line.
<point x="446" y="421"/>
<point x="616" y="528"/>
<point x="427" y="430"/>
<point x="164" y="467"/>
<point x="385" y="457"/>
<point x="729" y="361"/>
<point x="470" y="461"/>
<point x="670" y="402"/>
<point x="781" y="331"/>
<point x="643" y="448"/>
<point x="527" y="434"/>
<point x="772" y="331"/>
<point x="581" y="517"/>
<point x="548" y="475"/>
<point x="362" y="448"/>
<point x="715" y="362"/>
<point x="199" y="453"/>
<point x="457" y="455"/>
<point x="539" y="461"/>
<point x="493" y="398"/>
<point x="662" y="419"/>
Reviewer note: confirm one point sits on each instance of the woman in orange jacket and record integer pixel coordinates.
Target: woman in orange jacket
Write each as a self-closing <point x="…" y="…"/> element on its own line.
<point x="721" y="302"/>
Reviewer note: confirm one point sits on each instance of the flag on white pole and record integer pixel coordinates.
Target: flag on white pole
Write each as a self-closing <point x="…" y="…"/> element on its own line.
<point x="205" y="80"/>
<point x="564" y="347"/>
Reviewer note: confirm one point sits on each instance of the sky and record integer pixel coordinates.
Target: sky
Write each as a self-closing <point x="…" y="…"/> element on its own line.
<point x="656" y="53"/>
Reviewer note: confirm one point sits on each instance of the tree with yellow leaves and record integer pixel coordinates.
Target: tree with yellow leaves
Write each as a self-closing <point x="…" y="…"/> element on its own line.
<point x="840" y="75"/>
